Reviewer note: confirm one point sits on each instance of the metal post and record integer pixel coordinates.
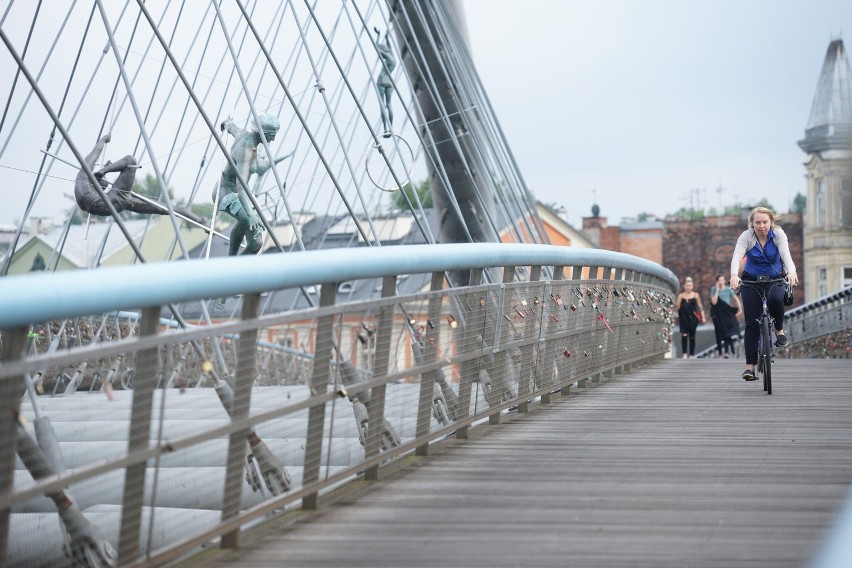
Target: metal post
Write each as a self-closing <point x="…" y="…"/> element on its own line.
<point x="14" y="342"/>
<point x="138" y="439"/>
<point x="376" y="408"/>
<point x="323" y="341"/>
<point x="528" y="351"/>
<point x="468" y="343"/>
<point x="243" y="381"/>
<point x="430" y="350"/>
<point x="501" y="330"/>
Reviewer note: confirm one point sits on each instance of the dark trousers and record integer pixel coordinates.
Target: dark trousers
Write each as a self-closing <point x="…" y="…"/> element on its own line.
<point x="752" y="308"/>
<point x="687" y="341"/>
<point x="727" y="342"/>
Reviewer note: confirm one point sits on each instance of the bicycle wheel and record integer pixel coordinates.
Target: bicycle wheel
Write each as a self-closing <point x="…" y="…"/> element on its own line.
<point x="766" y="354"/>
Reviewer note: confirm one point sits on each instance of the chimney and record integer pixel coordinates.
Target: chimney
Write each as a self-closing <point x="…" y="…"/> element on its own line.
<point x="40" y="225"/>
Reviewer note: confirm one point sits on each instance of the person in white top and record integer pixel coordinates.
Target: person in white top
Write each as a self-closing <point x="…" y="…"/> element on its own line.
<point x="767" y="255"/>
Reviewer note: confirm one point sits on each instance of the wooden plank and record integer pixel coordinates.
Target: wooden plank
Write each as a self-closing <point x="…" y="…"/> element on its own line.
<point x="678" y="464"/>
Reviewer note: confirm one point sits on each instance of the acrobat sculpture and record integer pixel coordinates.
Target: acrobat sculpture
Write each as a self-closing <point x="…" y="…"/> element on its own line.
<point x="120" y="196"/>
<point x="232" y="197"/>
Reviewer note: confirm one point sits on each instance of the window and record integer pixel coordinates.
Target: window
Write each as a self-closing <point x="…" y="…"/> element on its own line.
<point x="847" y="276"/>
<point x="822" y="283"/>
<point x="820" y="203"/>
<point x="846" y="202"/>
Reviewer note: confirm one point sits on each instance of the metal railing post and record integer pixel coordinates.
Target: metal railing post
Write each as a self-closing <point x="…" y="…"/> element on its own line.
<point x="528" y="351"/>
<point x="501" y="332"/>
<point x="14" y="342"/>
<point x="138" y="438"/>
<point x="468" y="336"/>
<point x="559" y="275"/>
<point x="376" y="408"/>
<point x="243" y="382"/>
<point x="431" y="339"/>
<point x="323" y="341"/>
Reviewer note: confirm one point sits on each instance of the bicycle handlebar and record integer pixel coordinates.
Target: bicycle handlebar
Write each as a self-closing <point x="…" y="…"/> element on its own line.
<point x="754" y="283"/>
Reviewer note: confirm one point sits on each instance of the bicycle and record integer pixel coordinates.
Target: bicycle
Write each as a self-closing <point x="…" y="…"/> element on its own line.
<point x="766" y="346"/>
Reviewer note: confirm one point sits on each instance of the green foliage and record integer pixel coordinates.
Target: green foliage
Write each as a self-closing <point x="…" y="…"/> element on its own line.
<point x="150" y="187"/>
<point x="423" y="193"/>
<point x="688" y="214"/>
<point x="202" y="210"/>
<point x="79" y="216"/>
<point x="799" y="203"/>
<point x="555" y="208"/>
<point x="763" y="203"/>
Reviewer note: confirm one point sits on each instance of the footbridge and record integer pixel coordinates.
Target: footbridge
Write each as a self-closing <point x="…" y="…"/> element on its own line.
<point x="527" y="417"/>
<point x="384" y="384"/>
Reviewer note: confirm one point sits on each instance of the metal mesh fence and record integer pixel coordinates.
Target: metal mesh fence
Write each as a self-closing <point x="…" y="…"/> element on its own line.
<point x="162" y="438"/>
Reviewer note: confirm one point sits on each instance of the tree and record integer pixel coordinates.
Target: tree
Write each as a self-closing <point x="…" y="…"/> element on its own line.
<point x="555" y="208"/>
<point x="733" y="209"/>
<point x="763" y="203"/>
<point x="149" y="187"/>
<point x="799" y="203"/>
<point x="688" y="214"/>
<point x="423" y="193"/>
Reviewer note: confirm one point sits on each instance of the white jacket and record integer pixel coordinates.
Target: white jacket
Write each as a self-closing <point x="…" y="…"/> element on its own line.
<point x="748" y="240"/>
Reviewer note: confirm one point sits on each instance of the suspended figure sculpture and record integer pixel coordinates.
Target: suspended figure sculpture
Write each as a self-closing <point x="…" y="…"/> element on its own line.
<point x="384" y="81"/>
<point x="232" y="197"/>
<point x="121" y="197"/>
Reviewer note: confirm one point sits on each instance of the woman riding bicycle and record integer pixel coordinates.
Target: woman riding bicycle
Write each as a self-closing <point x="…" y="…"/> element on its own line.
<point x="767" y="256"/>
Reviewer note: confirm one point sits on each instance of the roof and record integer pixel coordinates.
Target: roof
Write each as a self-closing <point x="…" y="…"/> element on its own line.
<point x="829" y="125"/>
<point x="83" y="245"/>
<point x="388" y="228"/>
<point x="329" y="232"/>
<point x="557" y="223"/>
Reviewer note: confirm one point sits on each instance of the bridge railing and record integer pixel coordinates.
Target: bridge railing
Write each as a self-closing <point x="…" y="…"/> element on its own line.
<point x="821" y="328"/>
<point x="816" y="329"/>
<point x="152" y="435"/>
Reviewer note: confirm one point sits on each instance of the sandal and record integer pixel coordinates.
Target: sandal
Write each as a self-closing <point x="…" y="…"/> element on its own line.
<point x="749" y="375"/>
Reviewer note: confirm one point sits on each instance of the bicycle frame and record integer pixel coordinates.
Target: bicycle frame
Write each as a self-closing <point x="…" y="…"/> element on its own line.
<point x="766" y="323"/>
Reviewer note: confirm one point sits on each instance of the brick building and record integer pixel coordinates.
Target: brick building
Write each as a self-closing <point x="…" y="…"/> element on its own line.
<point x="701" y="248"/>
<point x="640" y="238"/>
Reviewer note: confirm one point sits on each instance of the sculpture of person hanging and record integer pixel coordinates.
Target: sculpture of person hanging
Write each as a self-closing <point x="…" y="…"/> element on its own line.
<point x="383" y="81"/>
<point x="120" y="195"/>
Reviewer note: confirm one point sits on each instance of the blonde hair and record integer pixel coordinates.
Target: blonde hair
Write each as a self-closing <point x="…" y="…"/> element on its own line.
<point x="773" y="219"/>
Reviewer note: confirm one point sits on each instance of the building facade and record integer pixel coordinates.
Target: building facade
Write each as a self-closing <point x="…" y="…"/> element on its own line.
<point x="700" y="248"/>
<point x="828" y="143"/>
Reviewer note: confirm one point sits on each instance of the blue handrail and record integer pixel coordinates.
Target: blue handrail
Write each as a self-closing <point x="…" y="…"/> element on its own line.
<point x="41" y="297"/>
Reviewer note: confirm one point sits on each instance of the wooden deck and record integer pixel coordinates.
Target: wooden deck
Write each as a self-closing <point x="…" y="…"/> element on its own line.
<point x="677" y="464"/>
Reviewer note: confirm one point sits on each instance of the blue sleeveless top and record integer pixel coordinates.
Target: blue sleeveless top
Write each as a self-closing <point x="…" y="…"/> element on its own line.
<point x="764" y="261"/>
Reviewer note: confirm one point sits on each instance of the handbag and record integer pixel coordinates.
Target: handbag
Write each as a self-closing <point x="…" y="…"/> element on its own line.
<point x="699" y="316"/>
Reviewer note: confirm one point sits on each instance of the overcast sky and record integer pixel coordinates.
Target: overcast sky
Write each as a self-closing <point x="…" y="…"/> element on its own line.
<point x="644" y="101"/>
<point x="641" y="102"/>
